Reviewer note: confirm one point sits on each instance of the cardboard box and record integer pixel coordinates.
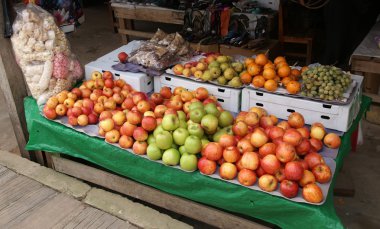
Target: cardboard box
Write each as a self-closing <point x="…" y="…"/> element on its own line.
<point x="332" y="116"/>
<point x="205" y="48"/>
<point x="371" y="83"/>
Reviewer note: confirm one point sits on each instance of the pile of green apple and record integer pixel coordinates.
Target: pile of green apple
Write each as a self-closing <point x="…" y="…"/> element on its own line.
<point x="180" y="138"/>
<point x="217" y="68"/>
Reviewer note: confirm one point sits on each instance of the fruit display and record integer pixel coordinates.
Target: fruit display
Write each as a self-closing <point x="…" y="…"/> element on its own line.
<point x="214" y="68"/>
<point x="277" y="156"/>
<point x="325" y="82"/>
<point x="190" y="130"/>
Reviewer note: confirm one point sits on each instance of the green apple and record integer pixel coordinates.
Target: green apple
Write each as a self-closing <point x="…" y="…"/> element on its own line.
<point x="229" y="73"/>
<point x="215" y="72"/>
<point x="164" y="140"/>
<point x="238" y="67"/>
<point x="206" y="75"/>
<point x="195" y="105"/>
<point x="204" y="141"/>
<point x="222" y="59"/>
<point x="228" y="130"/>
<point x="182" y="150"/>
<point x="225" y="119"/>
<point x="153" y="152"/>
<point x="195" y="129"/>
<point x="193" y="144"/>
<point x="158" y="130"/>
<point x="221" y="80"/>
<point x="209" y="123"/>
<point x="180" y="135"/>
<point x="211" y="108"/>
<point x="235" y="82"/>
<point x="181" y="115"/>
<point x="196" y="115"/>
<point x="224" y="66"/>
<point x="182" y="124"/>
<point x="170" y="122"/>
<point x="218" y="134"/>
<point x="214" y="64"/>
<point x="188" y="162"/>
<point x="171" y="157"/>
<point x="151" y="139"/>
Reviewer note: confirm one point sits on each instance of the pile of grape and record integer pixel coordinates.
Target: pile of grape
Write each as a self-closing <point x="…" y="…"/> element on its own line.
<point x="325" y="82"/>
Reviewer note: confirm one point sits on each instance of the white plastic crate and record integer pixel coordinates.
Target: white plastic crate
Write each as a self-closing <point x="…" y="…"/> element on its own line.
<point x="229" y="98"/>
<point x="139" y="81"/>
<point x="128" y="48"/>
<point x="337" y="117"/>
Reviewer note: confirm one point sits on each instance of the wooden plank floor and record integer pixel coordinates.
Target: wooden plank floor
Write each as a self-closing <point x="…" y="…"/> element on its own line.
<point x="25" y="203"/>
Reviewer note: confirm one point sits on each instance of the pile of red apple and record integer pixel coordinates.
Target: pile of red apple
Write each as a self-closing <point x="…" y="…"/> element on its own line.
<point x="276" y="154"/>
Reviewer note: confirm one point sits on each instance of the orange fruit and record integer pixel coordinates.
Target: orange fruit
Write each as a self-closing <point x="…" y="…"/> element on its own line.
<point x="270" y="85"/>
<point x="283" y="71"/>
<point x="293" y="87"/>
<point x="269" y="73"/>
<point x="246" y="78"/>
<point x="286" y="80"/>
<point x="281" y="64"/>
<point x="304" y="68"/>
<point x="279" y="59"/>
<point x="295" y="72"/>
<point x="253" y="69"/>
<point x="261" y="59"/>
<point x="249" y="61"/>
<point x="269" y="65"/>
<point x="277" y="78"/>
<point x="258" y="81"/>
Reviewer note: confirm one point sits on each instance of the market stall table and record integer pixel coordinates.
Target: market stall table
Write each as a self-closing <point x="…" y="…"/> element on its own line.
<point x="52" y="137"/>
<point x="366" y="61"/>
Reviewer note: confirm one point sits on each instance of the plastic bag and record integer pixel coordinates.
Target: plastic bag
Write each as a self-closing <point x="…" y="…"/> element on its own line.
<point x="43" y="54"/>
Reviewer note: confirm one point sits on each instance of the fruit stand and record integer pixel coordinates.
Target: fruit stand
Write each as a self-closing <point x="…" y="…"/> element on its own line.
<point x="254" y="164"/>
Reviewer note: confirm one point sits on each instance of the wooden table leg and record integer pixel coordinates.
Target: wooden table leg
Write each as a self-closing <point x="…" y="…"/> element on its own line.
<point x="124" y="38"/>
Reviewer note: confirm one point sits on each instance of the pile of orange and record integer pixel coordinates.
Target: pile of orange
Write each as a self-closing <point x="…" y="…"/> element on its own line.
<point x="263" y="73"/>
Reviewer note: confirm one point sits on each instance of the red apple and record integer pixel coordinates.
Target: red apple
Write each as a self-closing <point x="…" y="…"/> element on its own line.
<point x="292" y="136"/>
<point x="317" y="131"/>
<point x="312" y="193"/>
<point x="134" y="117"/>
<point x="268" y="183"/>
<point x="289" y="188"/>
<point x="250" y="160"/>
<point x="105" y="115"/>
<point x="285" y="152"/>
<point x="231" y="154"/>
<point x="86" y="110"/>
<point x="137" y="97"/>
<point x="293" y="171"/>
<point x="149" y="123"/>
<point x="244" y="145"/>
<point x="73" y="120"/>
<point x="227" y="140"/>
<point x="126" y="142"/>
<point x="266" y="121"/>
<point x="143" y="106"/>
<point x="276" y="132"/>
<point x="83" y="120"/>
<point x="280" y="174"/>
<point x="128" y="104"/>
<point x="316" y="144"/>
<point x="139" y="134"/>
<point x="296" y="120"/>
<point x="112" y="136"/>
<point x="52" y="102"/>
<point x="92" y="119"/>
<point x="312" y="159"/>
<point x="240" y="128"/>
<point x="322" y="173"/>
<point x="201" y="93"/>
<point x="212" y="151"/>
<point x="206" y="166"/>
<point x="60" y="110"/>
<point x="304" y="131"/>
<point x="304" y="147"/>
<point x="270" y="164"/>
<point x="247" y="177"/>
<point x="227" y="171"/>
<point x="251" y="119"/>
<point x="303" y="163"/>
<point x="110" y="104"/>
<point x="166" y="92"/>
<point x="284" y="125"/>
<point x="107" y="75"/>
<point x="76" y="111"/>
<point x="267" y="148"/>
<point x="127" y="129"/>
<point x="107" y="124"/>
<point x="139" y="147"/>
<point x="307" y="178"/>
<point x="258" y="138"/>
<point x="332" y="140"/>
<point x="122" y="56"/>
<point x="157" y="98"/>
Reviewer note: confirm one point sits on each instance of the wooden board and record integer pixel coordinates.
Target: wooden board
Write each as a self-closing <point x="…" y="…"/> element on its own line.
<point x="368" y="66"/>
<point x="134" y="189"/>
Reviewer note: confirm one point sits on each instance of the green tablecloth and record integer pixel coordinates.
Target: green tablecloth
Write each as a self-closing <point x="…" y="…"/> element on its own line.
<point x="52" y="137"/>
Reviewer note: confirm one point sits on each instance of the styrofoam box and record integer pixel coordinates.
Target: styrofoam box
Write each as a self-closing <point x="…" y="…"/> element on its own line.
<point x="128" y="48"/>
<point x="139" y="81"/>
<point x="229" y="98"/>
<point x="337" y="117"/>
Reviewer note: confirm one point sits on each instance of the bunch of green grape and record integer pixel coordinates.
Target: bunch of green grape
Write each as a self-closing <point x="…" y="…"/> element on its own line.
<point x="325" y="82"/>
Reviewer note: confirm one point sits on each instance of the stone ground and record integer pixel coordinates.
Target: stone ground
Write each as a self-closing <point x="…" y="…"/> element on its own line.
<point x="96" y="38"/>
